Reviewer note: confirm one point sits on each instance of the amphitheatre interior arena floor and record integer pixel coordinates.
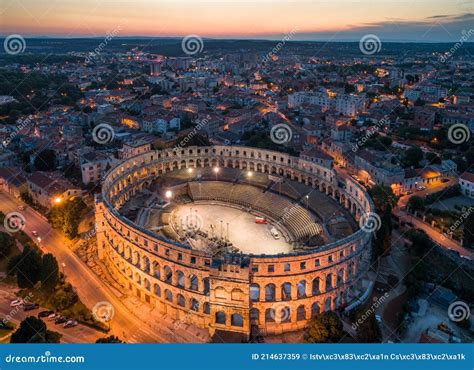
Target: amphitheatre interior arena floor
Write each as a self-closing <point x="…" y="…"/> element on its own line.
<point x="244" y="232"/>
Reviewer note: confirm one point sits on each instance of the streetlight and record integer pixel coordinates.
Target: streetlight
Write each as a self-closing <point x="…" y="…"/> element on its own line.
<point x="216" y="171"/>
<point x="57" y="200"/>
<point x="249" y="173"/>
<point x="168" y="194"/>
<point x="190" y="170"/>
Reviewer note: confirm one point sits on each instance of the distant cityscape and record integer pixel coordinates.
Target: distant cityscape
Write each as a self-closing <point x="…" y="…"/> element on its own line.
<point x="171" y="190"/>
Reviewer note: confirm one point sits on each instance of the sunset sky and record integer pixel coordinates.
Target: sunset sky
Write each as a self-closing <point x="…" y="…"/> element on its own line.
<point x="411" y="20"/>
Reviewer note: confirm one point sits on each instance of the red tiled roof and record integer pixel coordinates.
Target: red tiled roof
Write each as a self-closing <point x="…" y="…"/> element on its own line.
<point x="468" y="176"/>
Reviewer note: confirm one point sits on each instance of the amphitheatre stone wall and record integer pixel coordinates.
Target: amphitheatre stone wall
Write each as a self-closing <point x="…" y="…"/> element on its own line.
<point x="276" y="293"/>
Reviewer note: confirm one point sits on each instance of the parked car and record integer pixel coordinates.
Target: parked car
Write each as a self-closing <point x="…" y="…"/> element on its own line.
<point x="16" y="302"/>
<point x="53" y="316"/>
<point x="44" y="313"/>
<point x="35" y="233"/>
<point x="70" y="324"/>
<point x="30" y="306"/>
<point x="61" y="320"/>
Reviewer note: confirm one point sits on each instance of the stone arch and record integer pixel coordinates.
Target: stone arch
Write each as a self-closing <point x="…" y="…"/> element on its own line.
<point x="220" y="317"/>
<point x="194" y="305"/>
<point x="237" y="320"/>
<point x="301" y="313"/>
<point x="205" y="282"/>
<point x="270" y="315"/>
<point x="237" y="294"/>
<point x="286" y="291"/>
<point x="168" y="275"/>
<point x="329" y="282"/>
<point x="179" y="279"/>
<point x="315" y="309"/>
<point x="301" y="289"/>
<point x="315" y="286"/>
<point x="193" y="282"/>
<point x="327" y="304"/>
<point x="147" y="284"/>
<point x="284" y="314"/>
<point x="254" y="292"/>
<point x="156" y="270"/>
<point x="157" y="290"/>
<point x="146" y="264"/>
<point x="180" y="300"/>
<point x="168" y="295"/>
<point x="254" y="316"/>
<point x="270" y="292"/>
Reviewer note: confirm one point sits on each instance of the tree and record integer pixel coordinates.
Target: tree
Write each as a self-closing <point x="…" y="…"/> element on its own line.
<point x="27" y="267"/>
<point x="413" y="156"/>
<point x="109" y="339"/>
<point x="468" y="232"/>
<point x="325" y="327"/>
<point x="384" y="201"/>
<point x="7" y="243"/>
<point x="416" y="203"/>
<point x="66" y="216"/>
<point x="49" y="272"/>
<point x="45" y="160"/>
<point x="34" y="330"/>
<point x="383" y="197"/>
<point x="369" y="331"/>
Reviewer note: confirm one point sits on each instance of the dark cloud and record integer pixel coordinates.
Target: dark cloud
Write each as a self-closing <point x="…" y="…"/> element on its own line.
<point x="438" y="28"/>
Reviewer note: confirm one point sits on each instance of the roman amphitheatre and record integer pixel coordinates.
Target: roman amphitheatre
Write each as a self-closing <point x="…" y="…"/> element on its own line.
<point x="233" y="238"/>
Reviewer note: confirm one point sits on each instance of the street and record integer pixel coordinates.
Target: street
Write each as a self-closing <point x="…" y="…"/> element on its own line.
<point x="90" y="288"/>
<point x="435" y="235"/>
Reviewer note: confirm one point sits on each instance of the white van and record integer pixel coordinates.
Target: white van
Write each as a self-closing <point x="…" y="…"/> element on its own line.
<point x="275" y="233"/>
